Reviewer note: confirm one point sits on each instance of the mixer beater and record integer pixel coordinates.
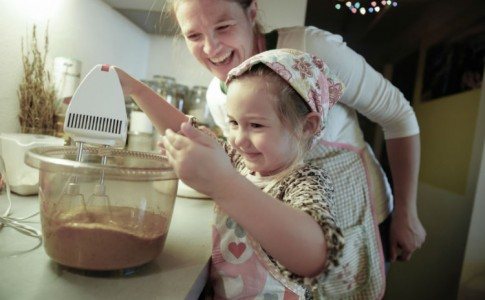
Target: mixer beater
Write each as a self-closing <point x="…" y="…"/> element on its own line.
<point x="99" y="195"/>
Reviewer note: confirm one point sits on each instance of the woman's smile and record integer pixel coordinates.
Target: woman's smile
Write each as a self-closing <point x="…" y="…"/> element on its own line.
<point x="222" y="59"/>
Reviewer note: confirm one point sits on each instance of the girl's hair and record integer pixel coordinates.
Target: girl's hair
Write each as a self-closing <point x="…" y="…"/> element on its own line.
<point x="290" y="107"/>
<point x="171" y="7"/>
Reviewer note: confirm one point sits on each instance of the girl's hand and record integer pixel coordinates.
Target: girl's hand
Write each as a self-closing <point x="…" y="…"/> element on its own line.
<point x="198" y="159"/>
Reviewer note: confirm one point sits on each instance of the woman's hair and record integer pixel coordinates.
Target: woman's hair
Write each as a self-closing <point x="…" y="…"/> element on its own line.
<point x="290" y="107"/>
<point x="171" y="7"/>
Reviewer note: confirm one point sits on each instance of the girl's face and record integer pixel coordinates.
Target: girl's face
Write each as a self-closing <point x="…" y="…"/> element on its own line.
<point x="218" y="33"/>
<point x="255" y="130"/>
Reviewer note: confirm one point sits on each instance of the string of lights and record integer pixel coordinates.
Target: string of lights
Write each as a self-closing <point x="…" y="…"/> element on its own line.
<point x="362" y="8"/>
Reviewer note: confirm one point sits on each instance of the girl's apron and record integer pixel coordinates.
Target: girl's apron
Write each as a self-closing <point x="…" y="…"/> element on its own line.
<point x="240" y="269"/>
<point x="360" y="274"/>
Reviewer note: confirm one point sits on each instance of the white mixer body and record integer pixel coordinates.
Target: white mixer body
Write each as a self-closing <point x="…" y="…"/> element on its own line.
<point x="97" y="112"/>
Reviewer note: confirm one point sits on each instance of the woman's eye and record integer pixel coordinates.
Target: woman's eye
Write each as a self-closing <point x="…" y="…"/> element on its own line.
<point x="232" y="123"/>
<point x="256" y="125"/>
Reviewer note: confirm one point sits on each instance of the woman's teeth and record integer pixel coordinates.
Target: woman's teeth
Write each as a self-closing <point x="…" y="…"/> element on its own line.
<point x="221" y="59"/>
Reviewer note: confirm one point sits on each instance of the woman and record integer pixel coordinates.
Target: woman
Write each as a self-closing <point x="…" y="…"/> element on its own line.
<point x="221" y="34"/>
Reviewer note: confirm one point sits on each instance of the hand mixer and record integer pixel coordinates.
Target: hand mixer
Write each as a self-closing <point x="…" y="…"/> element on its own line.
<point x="96" y="115"/>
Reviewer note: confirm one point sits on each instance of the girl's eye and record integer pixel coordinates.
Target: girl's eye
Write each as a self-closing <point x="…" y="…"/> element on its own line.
<point x="232" y="123"/>
<point x="256" y="125"/>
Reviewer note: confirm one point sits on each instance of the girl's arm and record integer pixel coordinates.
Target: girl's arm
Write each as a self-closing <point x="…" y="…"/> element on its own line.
<point x="289" y="235"/>
<point x="160" y="112"/>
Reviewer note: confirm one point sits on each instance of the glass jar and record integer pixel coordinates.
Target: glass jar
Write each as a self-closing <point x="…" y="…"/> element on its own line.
<point x="130" y="105"/>
<point x="168" y="90"/>
<point x="66" y="77"/>
<point x="110" y="211"/>
<point x="153" y="84"/>
<point x="197" y="105"/>
<point x="181" y="96"/>
<point x="140" y="133"/>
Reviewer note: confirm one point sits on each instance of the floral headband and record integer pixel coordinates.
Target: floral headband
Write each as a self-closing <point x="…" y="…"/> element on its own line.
<point x="306" y="73"/>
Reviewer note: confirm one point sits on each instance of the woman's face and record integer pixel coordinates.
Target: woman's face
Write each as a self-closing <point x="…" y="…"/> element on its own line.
<point x="218" y="33"/>
<point x="255" y="130"/>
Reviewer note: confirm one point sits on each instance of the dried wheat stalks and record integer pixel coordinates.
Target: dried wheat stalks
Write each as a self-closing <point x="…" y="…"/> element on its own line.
<point x="36" y="92"/>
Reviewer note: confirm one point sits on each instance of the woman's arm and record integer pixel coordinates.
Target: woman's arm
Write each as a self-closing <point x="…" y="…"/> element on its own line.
<point x="160" y="112"/>
<point x="375" y="97"/>
<point x="407" y="232"/>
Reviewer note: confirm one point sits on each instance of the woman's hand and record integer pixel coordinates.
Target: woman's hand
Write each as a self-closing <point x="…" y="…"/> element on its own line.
<point x="198" y="159"/>
<point x="407" y="234"/>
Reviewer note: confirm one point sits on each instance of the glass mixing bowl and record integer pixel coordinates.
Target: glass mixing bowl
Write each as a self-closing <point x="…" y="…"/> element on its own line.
<point x="111" y="211"/>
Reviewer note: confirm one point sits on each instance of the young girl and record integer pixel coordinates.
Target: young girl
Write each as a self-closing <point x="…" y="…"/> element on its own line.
<point x="275" y="234"/>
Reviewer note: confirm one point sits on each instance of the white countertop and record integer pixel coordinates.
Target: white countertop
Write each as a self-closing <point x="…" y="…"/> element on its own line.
<point x="179" y="272"/>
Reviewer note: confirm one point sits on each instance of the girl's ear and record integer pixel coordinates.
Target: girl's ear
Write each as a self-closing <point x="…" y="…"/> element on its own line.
<point x="312" y="124"/>
<point x="252" y="12"/>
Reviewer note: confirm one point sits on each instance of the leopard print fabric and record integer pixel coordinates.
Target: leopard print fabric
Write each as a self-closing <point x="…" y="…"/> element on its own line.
<point x="310" y="190"/>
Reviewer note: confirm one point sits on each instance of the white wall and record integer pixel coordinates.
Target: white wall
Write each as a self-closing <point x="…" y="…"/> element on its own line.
<point x="87" y="30"/>
<point x="170" y="56"/>
<point x="474" y="260"/>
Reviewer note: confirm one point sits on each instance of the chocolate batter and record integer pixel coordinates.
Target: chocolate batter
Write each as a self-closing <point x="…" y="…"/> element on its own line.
<point x="104" y="239"/>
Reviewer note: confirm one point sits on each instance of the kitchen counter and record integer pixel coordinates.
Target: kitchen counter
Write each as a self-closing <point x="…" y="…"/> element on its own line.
<point x="180" y="272"/>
